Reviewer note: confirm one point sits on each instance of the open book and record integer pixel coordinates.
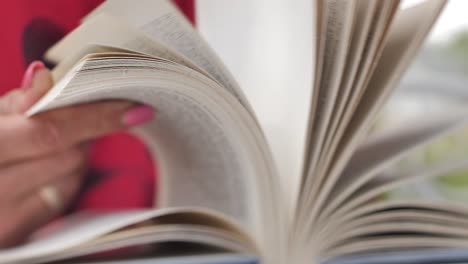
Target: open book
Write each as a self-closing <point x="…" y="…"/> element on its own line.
<point x="220" y="190"/>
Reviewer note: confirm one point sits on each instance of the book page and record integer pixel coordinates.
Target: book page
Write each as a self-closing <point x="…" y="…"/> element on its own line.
<point x="402" y="243"/>
<point x="358" y="226"/>
<point x="157" y="235"/>
<point x="105" y="30"/>
<point x="369" y="34"/>
<point x="90" y="33"/>
<point x="400" y="225"/>
<point x="371" y="49"/>
<point x="220" y="258"/>
<point x="415" y="224"/>
<point x="210" y="151"/>
<point x="374" y="36"/>
<point x="365" y="13"/>
<point x="161" y="21"/>
<point x="406" y="35"/>
<point x="383" y="151"/>
<point x="189" y="168"/>
<point x="385" y="211"/>
<point x="337" y="19"/>
<point x="346" y="223"/>
<point x="71" y="235"/>
<point x="422" y="235"/>
<point x="392" y="180"/>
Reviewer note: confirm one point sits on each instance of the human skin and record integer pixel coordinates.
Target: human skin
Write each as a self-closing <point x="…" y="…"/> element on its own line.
<point x="48" y="149"/>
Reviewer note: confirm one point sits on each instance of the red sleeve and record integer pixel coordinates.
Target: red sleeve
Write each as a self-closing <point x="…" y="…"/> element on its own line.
<point x="188" y="7"/>
<point x="29" y="28"/>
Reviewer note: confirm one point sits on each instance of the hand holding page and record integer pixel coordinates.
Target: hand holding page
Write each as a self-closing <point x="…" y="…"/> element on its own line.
<point x="219" y="186"/>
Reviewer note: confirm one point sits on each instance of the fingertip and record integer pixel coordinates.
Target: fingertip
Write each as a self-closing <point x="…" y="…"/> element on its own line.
<point x="138" y="115"/>
<point x="12" y="102"/>
<point x="29" y="74"/>
<point x="42" y="81"/>
<point x="41" y="84"/>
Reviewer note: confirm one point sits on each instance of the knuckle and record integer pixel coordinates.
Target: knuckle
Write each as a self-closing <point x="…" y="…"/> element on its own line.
<point x="106" y="126"/>
<point x="75" y="183"/>
<point x="6" y="103"/>
<point x="47" y="135"/>
<point x="73" y="159"/>
<point x="11" y="229"/>
<point x="10" y="102"/>
<point x="69" y="186"/>
<point x="108" y="120"/>
<point x="101" y="126"/>
<point x="6" y="231"/>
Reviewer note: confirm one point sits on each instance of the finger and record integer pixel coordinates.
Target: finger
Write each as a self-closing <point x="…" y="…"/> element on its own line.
<point x="12" y="102"/>
<point x="62" y="128"/>
<point x="29" y="74"/>
<point x="18" y="101"/>
<point x="21" y="178"/>
<point x="32" y="212"/>
<point x="41" y="83"/>
<point x="64" y="190"/>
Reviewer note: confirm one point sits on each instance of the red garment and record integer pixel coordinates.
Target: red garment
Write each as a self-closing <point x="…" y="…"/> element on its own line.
<point x="121" y="173"/>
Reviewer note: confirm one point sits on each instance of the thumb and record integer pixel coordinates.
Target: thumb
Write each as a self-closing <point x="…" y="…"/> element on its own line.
<point x="36" y="83"/>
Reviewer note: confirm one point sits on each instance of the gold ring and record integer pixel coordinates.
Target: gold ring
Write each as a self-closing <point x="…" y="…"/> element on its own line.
<point x="51" y="197"/>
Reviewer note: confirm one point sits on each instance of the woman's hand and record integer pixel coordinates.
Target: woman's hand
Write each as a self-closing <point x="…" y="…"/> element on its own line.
<point x="47" y="152"/>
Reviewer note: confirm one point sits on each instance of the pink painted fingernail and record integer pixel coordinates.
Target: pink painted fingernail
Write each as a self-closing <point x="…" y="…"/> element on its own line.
<point x="138" y="115"/>
<point x="26" y="83"/>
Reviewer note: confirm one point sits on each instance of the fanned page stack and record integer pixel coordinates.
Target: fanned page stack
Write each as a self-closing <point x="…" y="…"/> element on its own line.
<point x="220" y="194"/>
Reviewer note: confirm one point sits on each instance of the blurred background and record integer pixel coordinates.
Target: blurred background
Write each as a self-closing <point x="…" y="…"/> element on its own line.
<point x="267" y="46"/>
<point x="436" y="83"/>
